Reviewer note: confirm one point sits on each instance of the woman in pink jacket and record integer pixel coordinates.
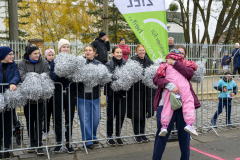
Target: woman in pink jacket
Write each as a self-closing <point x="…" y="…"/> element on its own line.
<point x="125" y="48"/>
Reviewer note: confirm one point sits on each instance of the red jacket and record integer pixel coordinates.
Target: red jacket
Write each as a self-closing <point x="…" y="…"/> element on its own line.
<point x="125" y="50"/>
<point x="187" y="72"/>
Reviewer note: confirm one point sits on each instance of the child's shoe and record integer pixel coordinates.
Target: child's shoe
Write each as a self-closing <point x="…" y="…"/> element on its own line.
<point x="189" y="128"/>
<point x="163" y="131"/>
<point x="213" y="122"/>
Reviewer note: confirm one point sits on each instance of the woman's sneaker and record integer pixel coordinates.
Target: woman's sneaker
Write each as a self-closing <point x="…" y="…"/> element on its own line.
<point x="145" y="139"/>
<point x="119" y="141"/>
<point x="58" y="149"/>
<point x="191" y="130"/>
<point x="44" y="136"/>
<point x="111" y="142"/>
<point x="69" y="149"/>
<point x="138" y="139"/>
<point x="163" y="132"/>
<point x="40" y="151"/>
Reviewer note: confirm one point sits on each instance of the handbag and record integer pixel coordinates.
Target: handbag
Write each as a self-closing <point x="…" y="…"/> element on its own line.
<point x="176" y="103"/>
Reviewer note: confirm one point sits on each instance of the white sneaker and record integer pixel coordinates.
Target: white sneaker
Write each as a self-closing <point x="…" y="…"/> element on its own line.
<point x="191" y="130"/>
<point x="44" y="136"/>
<point x="163" y="132"/>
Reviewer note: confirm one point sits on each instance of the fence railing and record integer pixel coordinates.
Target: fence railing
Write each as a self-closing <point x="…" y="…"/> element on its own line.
<point x="210" y="54"/>
<point x="83" y="118"/>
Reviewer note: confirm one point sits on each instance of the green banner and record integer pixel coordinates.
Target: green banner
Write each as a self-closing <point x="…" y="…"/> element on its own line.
<point x="147" y="19"/>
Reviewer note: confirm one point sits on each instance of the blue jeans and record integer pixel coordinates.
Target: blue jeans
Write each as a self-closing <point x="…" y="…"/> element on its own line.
<point x="228" y="106"/>
<point x="183" y="136"/>
<point x="89" y="116"/>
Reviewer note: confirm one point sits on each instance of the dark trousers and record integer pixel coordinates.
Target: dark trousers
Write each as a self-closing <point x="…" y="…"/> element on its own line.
<point x="47" y="112"/>
<point x="183" y="136"/>
<point x="235" y="70"/>
<point x="138" y="126"/>
<point x="6" y="125"/>
<point x="116" y="107"/>
<point x="34" y="116"/>
<point x="227" y="104"/>
<point x="59" y="114"/>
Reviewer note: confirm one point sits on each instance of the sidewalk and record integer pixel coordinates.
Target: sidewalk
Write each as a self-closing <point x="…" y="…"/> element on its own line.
<point x="225" y="146"/>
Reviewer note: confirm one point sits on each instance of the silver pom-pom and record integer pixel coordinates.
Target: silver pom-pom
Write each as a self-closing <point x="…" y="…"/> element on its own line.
<point x="31" y="86"/>
<point x="65" y="65"/>
<point x="199" y="73"/>
<point x="90" y="75"/>
<point x="2" y="103"/>
<point x="14" y="99"/>
<point x="103" y="74"/>
<point x="47" y="86"/>
<point x="127" y="75"/>
<point x="77" y="75"/>
<point x="150" y="72"/>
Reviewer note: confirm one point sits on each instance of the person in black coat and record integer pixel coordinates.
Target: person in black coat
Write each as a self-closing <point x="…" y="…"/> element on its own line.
<point x="103" y="46"/>
<point x="139" y="99"/>
<point x="11" y="76"/>
<point x="116" y="101"/>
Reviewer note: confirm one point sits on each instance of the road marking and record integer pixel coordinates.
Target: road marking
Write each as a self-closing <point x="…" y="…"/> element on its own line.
<point x="207" y="154"/>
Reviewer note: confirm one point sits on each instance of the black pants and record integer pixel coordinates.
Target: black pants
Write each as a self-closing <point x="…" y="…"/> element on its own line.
<point x="116" y="107"/>
<point x="235" y="70"/>
<point x="138" y="126"/>
<point x="47" y="112"/>
<point x="7" y="116"/>
<point x="35" y="119"/>
<point x="59" y="114"/>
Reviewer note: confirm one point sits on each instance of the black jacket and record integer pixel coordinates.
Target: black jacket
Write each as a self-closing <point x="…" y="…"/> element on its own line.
<point x="140" y="99"/>
<point x="102" y="49"/>
<point x="95" y="91"/>
<point x="111" y="65"/>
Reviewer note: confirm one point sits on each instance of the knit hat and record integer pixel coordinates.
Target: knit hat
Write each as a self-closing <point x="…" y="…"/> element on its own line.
<point x="62" y="42"/>
<point x="4" y="51"/>
<point x="121" y="39"/>
<point x="30" y="48"/>
<point x="48" y="51"/>
<point x="101" y="34"/>
<point x="226" y="51"/>
<point x="175" y="54"/>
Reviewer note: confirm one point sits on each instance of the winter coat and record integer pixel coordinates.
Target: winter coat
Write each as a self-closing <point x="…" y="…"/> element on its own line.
<point x="224" y="62"/>
<point x="95" y="90"/>
<point x="64" y="81"/>
<point x="140" y="98"/>
<point x="236" y="55"/>
<point x="187" y="72"/>
<point x="102" y="49"/>
<point x="12" y="75"/>
<point x="26" y="66"/>
<point x="171" y="47"/>
<point x="231" y="87"/>
<point x="125" y="51"/>
<point x="111" y="65"/>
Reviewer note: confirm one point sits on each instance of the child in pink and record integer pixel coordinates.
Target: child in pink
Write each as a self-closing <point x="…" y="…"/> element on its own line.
<point x="172" y="75"/>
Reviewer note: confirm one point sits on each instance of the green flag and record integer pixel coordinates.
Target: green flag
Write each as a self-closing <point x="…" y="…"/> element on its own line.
<point x="147" y="19"/>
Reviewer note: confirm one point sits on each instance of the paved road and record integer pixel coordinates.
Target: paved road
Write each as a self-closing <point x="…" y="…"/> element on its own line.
<point x="204" y="147"/>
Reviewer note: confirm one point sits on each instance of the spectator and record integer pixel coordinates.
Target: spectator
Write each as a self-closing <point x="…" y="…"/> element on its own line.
<point x="33" y="62"/>
<point x="125" y="48"/>
<point x="183" y="136"/>
<point x="139" y="99"/>
<point x="228" y="89"/>
<point x="236" y="59"/>
<point x="103" y="46"/>
<point x="9" y="75"/>
<point x="225" y="61"/>
<point x="171" y="44"/>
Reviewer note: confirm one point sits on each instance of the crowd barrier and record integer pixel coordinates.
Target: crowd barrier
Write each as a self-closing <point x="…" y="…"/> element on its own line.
<point x="20" y="139"/>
